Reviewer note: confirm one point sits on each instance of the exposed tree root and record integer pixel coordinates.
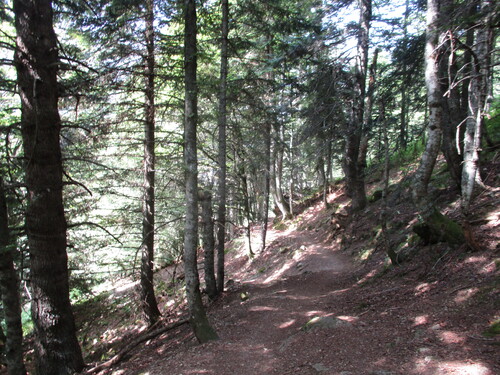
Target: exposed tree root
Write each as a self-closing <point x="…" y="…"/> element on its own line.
<point x="127" y="349"/>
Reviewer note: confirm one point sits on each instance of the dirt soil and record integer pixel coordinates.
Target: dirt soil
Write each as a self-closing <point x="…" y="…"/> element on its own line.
<point x="424" y="317"/>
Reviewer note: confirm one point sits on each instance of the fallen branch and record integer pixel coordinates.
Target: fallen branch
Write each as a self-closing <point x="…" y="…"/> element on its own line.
<point x="127" y="349"/>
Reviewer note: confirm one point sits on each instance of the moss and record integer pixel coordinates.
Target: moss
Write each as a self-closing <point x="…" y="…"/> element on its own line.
<point x="493" y="329"/>
<point x="439" y="228"/>
<point x="377" y="195"/>
<point x="280" y="225"/>
<point x="244" y="296"/>
<point x="365" y="254"/>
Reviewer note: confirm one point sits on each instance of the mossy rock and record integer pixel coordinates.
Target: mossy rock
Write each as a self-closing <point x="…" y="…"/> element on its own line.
<point x="280" y="225"/>
<point x="377" y="195"/>
<point x="493" y="329"/>
<point x="244" y="296"/>
<point x="439" y="228"/>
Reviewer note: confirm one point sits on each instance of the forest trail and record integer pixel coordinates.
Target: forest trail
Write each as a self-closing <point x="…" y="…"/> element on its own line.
<point x="260" y="321"/>
<point x="359" y="323"/>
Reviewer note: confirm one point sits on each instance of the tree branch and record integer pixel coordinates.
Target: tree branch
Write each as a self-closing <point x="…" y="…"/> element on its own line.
<point x="96" y="225"/>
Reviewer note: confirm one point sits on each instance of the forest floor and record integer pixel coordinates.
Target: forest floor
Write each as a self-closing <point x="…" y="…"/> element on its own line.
<point x="323" y="299"/>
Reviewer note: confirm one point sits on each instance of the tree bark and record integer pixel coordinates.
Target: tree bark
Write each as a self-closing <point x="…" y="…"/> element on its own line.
<point x="56" y="347"/>
<point x="242" y="174"/>
<point x="208" y="241"/>
<point x="384" y="212"/>
<point x="197" y="316"/>
<point x="277" y="173"/>
<point x="353" y="173"/>
<point x="222" y="122"/>
<point x="267" y="185"/>
<point x="451" y="114"/>
<point x="448" y="72"/>
<point x="148" y="299"/>
<point x="367" y="115"/>
<point x="434" y="102"/>
<point x="403" y="123"/>
<point x="9" y="293"/>
<point x="478" y="91"/>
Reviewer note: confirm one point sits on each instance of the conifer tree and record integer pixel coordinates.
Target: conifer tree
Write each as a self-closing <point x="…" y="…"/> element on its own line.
<point x="56" y="347"/>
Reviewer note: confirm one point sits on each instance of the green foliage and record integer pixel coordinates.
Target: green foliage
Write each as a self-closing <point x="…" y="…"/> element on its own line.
<point x="408" y="155"/>
<point x="280" y="225"/>
<point x="26" y="322"/>
<point x="493" y="330"/>
<point x="492" y="122"/>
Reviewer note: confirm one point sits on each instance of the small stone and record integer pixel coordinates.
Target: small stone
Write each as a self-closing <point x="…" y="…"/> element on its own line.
<point x="325" y="322"/>
<point x="284" y="250"/>
<point x="320" y="367"/>
<point x="244" y="296"/>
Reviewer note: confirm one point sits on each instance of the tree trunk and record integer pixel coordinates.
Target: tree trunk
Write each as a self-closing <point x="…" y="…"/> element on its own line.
<point x="242" y="174"/>
<point x="384" y="212"/>
<point x="9" y="293"/>
<point x="197" y="316"/>
<point x="451" y="114"/>
<point x="478" y="91"/>
<point x="448" y="72"/>
<point x="222" y="122"/>
<point x="353" y="173"/>
<point x="367" y="116"/>
<point x="267" y="186"/>
<point x="208" y="241"/>
<point x="148" y="299"/>
<point x="277" y="173"/>
<point x="403" y="122"/>
<point x="56" y="347"/>
<point x="441" y="228"/>
<point x="434" y="102"/>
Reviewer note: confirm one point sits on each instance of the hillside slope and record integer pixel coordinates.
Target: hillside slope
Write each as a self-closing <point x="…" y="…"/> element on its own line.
<point x="323" y="299"/>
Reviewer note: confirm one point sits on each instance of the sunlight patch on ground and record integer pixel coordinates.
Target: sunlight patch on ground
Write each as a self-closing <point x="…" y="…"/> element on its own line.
<point x="464" y="295"/>
<point x="423" y="288"/>
<point x="263" y="308"/>
<point x="287" y="324"/>
<point x="490" y="267"/>
<point x="475" y="259"/>
<point x="450" y="337"/>
<point x="421" y="320"/>
<point x="368" y="276"/>
<point x="313" y="313"/>
<point x="457" y="367"/>
<point x="347" y="318"/>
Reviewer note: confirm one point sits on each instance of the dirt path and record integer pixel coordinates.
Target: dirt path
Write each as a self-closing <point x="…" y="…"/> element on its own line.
<point x="399" y="327"/>
<point x="260" y="335"/>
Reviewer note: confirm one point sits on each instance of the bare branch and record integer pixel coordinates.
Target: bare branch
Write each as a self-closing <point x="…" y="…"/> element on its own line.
<point x="90" y="223"/>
